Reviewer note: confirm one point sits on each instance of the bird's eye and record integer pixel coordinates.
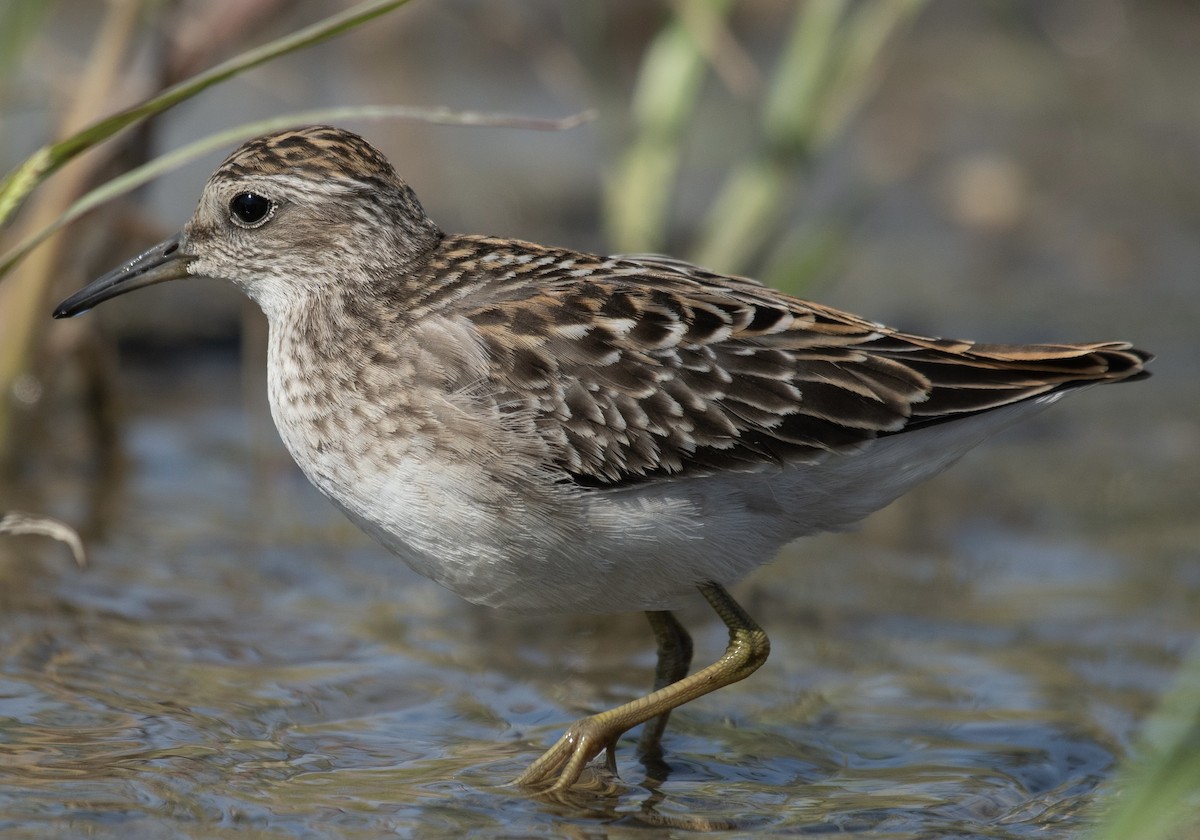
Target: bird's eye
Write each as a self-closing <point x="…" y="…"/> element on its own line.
<point x="250" y="210"/>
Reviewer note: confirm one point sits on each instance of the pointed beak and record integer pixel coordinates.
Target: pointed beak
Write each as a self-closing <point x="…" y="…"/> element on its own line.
<point x="165" y="261"/>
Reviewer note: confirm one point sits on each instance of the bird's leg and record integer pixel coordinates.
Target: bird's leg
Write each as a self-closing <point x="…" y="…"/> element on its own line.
<point x="561" y="765"/>
<point x="674" y="660"/>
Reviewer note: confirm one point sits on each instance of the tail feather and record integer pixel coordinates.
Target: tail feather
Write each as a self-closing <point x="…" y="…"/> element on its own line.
<point x="980" y="377"/>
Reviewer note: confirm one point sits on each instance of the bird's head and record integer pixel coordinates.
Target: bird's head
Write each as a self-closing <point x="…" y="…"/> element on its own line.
<point x="285" y="216"/>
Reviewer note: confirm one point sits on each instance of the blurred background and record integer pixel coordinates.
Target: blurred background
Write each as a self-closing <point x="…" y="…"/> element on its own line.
<point x="977" y="660"/>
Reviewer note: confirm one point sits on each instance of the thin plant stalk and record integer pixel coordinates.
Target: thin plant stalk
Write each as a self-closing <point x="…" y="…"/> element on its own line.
<point x="829" y="63"/>
<point x="48" y="159"/>
<point x="20" y="303"/>
<point x="159" y="166"/>
<point x="1158" y="793"/>
<point x="638" y="193"/>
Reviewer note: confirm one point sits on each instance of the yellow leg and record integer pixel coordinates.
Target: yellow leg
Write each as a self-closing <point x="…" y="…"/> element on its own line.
<point x="674" y="660"/>
<point x="561" y="765"/>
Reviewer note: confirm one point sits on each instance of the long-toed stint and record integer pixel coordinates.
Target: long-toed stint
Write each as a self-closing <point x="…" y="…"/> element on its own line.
<point x="545" y="430"/>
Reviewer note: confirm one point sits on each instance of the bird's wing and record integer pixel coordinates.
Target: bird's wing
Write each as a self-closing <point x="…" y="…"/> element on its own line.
<point x="637" y="368"/>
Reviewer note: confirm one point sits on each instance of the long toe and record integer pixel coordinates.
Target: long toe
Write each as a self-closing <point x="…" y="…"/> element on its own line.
<point x="560" y="766"/>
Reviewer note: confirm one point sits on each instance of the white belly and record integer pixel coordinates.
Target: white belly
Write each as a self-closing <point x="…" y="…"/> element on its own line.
<point x="498" y="532"/>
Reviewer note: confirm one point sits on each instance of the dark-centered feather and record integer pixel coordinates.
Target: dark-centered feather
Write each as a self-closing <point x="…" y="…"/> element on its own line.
<point x="641" y="367"/>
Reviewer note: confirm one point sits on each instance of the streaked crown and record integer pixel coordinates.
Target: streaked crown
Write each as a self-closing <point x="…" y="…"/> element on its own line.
<point x="315" y="152"/>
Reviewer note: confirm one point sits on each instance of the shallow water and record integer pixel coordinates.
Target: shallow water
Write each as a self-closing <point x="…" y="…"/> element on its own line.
<point x="238" y="660"/>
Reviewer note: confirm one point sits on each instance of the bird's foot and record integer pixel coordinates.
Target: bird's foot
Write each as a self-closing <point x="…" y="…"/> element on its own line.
<point x="561" y="766"/>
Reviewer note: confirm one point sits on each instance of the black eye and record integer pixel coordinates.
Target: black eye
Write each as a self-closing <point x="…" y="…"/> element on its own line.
<point x="250" y="209"/>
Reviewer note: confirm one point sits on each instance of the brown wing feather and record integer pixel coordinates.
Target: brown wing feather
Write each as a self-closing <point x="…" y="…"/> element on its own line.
<point x="639" y="367"/>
